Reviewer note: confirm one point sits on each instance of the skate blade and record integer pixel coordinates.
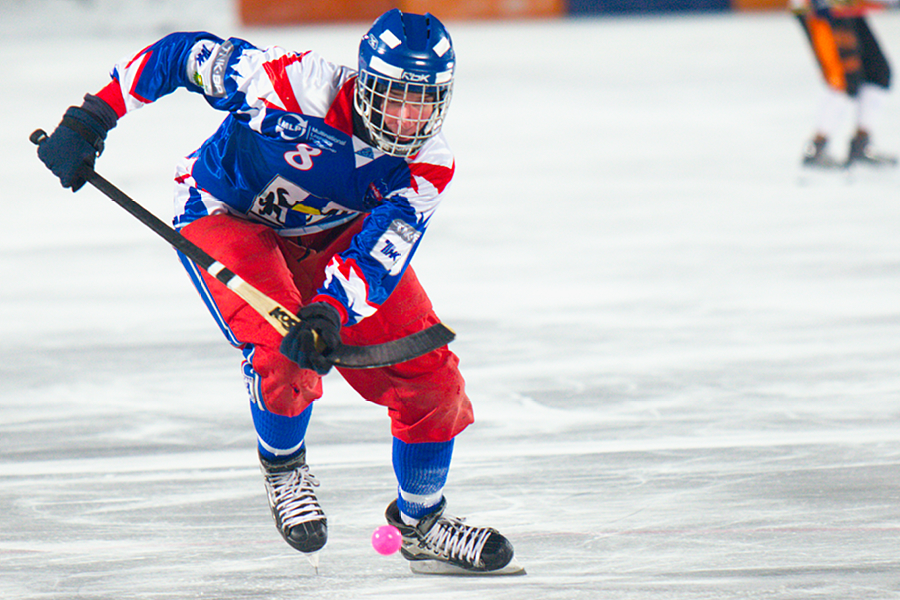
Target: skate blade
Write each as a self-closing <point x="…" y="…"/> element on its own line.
<point x="313" y="558"/>
<point x="436" y="567"/>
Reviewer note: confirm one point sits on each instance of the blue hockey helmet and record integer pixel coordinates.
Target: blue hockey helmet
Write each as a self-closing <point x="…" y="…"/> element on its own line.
<point x="405" y="60"/>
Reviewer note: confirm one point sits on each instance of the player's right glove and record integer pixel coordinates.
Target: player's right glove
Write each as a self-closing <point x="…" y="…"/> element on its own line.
<point x="310" y="350"/>
<point x="73" y="147"/>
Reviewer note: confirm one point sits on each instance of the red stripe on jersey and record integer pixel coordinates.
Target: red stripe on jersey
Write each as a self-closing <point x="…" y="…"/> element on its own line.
<point x="269" y="105"/>
<point x="137" y="77"/>
<point x="137" y="56"/>
<point x="112" y="95"/>
<point x="348" y="268"/>
<point x="277" y="71"/>
<point x="436" y="175"/>
<point x="349" y="271"/>
<point x="340" y="113"/>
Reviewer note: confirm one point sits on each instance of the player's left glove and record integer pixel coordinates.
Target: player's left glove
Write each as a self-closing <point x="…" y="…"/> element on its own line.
<point x="821" y="8"/>
<point x="75" y="144"/>
<point x="309" y="350"/>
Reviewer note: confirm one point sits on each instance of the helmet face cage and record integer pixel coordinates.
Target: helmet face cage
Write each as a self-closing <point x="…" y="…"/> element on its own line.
<point x="405" y="81"/>
<point x="424" y="106"/>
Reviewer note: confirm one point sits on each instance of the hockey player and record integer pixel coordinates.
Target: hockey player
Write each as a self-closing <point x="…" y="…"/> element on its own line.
<point x="854" y="67"/>
<point x="316" y="189"/>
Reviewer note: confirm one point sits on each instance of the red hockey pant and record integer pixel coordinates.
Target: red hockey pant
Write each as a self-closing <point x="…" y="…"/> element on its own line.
<point x="425" y="397"/>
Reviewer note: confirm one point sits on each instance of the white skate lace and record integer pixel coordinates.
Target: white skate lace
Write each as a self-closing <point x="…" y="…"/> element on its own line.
<point x="453" y="539"/>
<point x="292" y="495"/>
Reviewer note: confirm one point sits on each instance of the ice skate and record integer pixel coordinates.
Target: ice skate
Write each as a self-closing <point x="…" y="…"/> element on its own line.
<point x="445" y="545"/>
<point x="861" y="152"/>
<point x="815" y="156"/>
<point x="295" y="508"/>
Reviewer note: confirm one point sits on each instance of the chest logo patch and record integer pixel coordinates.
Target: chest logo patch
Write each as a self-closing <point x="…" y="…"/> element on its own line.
<point x="277" y="200"/>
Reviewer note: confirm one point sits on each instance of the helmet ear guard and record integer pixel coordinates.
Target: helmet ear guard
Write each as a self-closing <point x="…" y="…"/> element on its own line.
<point x="408" y="61"/>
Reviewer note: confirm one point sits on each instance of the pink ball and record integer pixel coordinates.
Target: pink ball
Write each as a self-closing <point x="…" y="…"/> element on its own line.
<point x="386" y="539"/>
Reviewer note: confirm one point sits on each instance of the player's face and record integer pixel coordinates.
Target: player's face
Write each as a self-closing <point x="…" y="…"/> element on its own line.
<point x="405" y="114"/>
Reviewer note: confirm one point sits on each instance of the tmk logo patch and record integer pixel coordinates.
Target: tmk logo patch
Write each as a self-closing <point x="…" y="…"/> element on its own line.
<point x="394" y="245"/>
<point x="390" y="250"/>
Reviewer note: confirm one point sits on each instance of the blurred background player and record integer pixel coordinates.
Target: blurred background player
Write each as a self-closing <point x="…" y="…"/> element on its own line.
<point x="854" y="68"/>
<point x="317" y="189"/>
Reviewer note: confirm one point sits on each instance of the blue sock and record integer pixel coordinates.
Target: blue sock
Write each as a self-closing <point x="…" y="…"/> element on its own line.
<point x="280" y="438"/>
<point x="421" y="471"/>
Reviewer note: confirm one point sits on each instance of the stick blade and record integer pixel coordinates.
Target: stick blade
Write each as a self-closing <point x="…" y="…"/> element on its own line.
<point x="393" y="352"/>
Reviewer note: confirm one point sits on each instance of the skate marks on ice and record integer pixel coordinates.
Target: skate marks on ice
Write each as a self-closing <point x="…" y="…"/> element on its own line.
<point x="684" y="365"/>
<point x="876" y="177"/>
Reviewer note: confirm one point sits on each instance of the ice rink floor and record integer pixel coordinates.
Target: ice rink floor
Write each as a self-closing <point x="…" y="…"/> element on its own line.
<point x="683" y="352"/>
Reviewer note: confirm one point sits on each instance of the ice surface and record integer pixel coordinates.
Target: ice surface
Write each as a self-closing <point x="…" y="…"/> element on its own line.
<point x="682" y="351"/>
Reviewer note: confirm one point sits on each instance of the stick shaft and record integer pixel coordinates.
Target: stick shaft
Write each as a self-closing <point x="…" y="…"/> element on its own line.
<point x="277" y="315"/>
<point x="352" y="357"/>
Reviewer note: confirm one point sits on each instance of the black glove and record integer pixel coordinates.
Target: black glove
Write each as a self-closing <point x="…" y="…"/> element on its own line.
<point x="72" y="148"/>
<point x="300" y="345"/>
<point x="821" y="8"/>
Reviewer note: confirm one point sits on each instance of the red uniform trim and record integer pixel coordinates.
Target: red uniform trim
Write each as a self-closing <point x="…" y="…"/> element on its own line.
<point x="137" y="77"/>
<point x="340" y="113"/>
<point x="112" y="95"/>
<point x="277" y="71"/>
<point x="437" y="175"/>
